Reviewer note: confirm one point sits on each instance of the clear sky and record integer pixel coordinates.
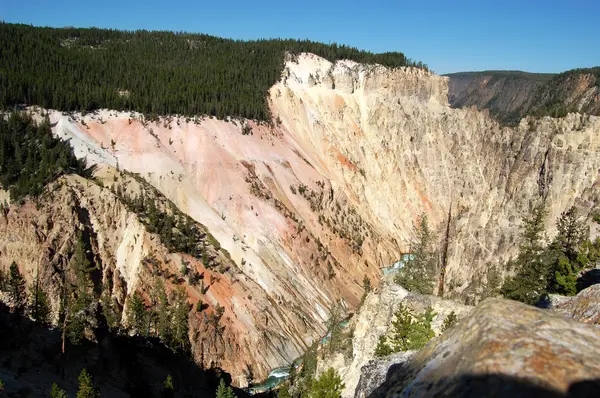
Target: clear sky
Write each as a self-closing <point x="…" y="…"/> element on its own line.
<point x="448" y="35"/>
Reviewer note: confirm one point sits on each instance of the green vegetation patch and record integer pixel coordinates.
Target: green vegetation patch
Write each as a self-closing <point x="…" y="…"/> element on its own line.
<point x="74" y="69"/>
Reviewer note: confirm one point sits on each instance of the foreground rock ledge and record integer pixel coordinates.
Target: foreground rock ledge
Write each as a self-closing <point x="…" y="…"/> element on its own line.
<point x="503" y="349"/>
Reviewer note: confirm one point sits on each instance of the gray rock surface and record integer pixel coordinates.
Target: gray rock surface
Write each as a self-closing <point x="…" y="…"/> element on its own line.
<point x="503" y="349"/>
<point x="374" y="373"/>
<point x="584" y="307"/>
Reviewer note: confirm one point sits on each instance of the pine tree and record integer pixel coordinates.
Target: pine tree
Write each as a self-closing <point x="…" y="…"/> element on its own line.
<point x="530" y="280"/>
<point x="418" y="274"/>
<point x="566" y="255"/>
<point x="180" y="331"/>
<point x="408" y="331"/>
<point x="284" y="391"/>
<point x="3" y="280"/>
<point x="39" y="305"/>
<point x="366" y="289"/>
<point x="449" y="321"/>
<point x="78" y="296"/>
<point x="168" y="387"/>
<point x="224" y="391"/>
<point x="136" y="314"/>
<point x="86" y="387"/>
<point x="17" y="286"/>
<point x="328" y="385"/>
<point x="57" y="392"/>
<point x="383" y="348"/>
<point x="163" y="313"/>
<point x="572" y="232"/>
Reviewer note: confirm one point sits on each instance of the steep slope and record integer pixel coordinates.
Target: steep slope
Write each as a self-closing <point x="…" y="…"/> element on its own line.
<point x="512" y="95"/>
<point x="389" y="139"/>
<point x="40" y="237"/>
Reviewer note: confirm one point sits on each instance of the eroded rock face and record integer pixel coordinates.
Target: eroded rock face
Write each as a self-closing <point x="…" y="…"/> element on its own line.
<point x="585" y="307"/>
<point x="389" y="140"/>
<point x="503" y="349"/>
<point x="41" y="239"/>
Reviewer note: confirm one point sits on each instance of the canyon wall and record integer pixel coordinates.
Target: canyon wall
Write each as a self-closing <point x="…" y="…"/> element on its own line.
<point x="326" y="194"/>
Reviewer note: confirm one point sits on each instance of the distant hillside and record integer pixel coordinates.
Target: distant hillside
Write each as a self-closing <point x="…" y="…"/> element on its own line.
<point x="507" y="94"/>
<point x="163" y="73"/>
<point x="511" y="95"/>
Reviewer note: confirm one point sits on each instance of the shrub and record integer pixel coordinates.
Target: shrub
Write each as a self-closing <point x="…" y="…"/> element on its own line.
<point x="450" y="321"/>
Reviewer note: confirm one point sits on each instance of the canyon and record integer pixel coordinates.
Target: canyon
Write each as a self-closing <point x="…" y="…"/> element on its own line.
<point x="303" y="208"/>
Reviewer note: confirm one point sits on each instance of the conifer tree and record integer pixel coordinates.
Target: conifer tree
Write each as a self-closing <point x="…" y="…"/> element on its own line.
<point x="530" y="280"/>
<point x="136" y="314"/>
<point x="418" y="274"/>
<point x="77" y="295"/>
<point x="328" y="385"/>
<point x="180" y="330"/>
<point x="86" y="386"/>
<point x="39" y="305"/>
<point x="16" y="283"/>
<point x="57" y="392"/>
<point x="224" y="391"/>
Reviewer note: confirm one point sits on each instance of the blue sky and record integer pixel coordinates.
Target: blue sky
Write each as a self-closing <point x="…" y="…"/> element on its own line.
<point x="450" y="35"/>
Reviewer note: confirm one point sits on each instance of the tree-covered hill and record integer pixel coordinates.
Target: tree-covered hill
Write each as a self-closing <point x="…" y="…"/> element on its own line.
<point x="151" y="72"/>
<point x="512" y="95"/>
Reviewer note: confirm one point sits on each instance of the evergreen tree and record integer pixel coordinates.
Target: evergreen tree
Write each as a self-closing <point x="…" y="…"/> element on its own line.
<point x="78" y="295"/>
<point x="181" y="309"/>
<point x="57" y="392"/>
<point x="136" y="314"/>
<point x="3" y="280"/>
<point x="530" y="280"/>
<point x="168" y="387"/>
<point x="284" y="391"/>
<point x="110" y="310"/>
<point x="366" y="289"/>
<point x="408" y="331"/>
<point x="163" y="313"/>
<point x="86" y="387"/>
<point x="39" y="305"/>
<point x="383" y="349"/>
<point x="565" y="255"/>
<point x="16" y="283"/>
<point x="418" y="274"/>
<point x="224" y="391"/>
<point x="572" y="232"/>
<point x="449" y="321"/>
<point x="328" y="385"/>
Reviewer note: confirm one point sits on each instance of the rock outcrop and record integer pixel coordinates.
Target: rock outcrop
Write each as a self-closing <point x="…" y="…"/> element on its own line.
<point x="502" y="349"/>
<point x="585" y="307"/>
<point x="372" y="321"/>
